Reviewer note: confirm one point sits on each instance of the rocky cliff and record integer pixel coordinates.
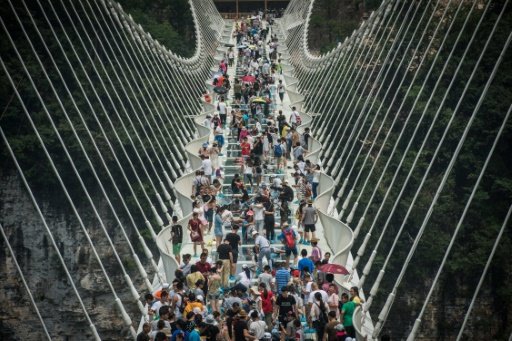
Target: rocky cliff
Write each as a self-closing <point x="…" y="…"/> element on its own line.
<point x="48" y="282"/>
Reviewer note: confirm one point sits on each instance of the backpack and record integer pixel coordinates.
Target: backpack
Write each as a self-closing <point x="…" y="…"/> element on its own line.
<point x="289" y="238"/>
<point x="181" y="307"/>
<point x="278" y="151"/>
<point x="322" y="318"/>
<point x="289" y="195"/>
<point x="298" y="119"/>
<point x="308" y="191"/>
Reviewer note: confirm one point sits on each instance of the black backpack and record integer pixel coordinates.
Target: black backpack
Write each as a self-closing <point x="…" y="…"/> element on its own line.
<point x="322" y="318"/>
<point x="181" y="307"/>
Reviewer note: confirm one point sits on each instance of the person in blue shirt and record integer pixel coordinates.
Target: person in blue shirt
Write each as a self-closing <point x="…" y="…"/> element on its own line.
<point x="180" y="331"/>
<point x="282" y="277"/>
<point x="305" y="264"/>
<point x="193" y="336"/>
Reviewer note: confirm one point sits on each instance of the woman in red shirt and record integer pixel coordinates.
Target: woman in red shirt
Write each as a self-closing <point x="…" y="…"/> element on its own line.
<point x="267" y="304"/>
<point x="196" y="232"/>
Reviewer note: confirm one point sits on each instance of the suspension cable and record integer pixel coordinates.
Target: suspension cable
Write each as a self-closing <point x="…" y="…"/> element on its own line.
<point x="411" y="139"/>
<point x="47" y="228"/>
<point x="484" y="273"/>
<point x="389" y="302"/>
<point x="114" y="107"/>
<point x="147" y="251"/>
<point x="457" y="228"/>
<point x="106" y="114"/>
<point x="20" y="271"/>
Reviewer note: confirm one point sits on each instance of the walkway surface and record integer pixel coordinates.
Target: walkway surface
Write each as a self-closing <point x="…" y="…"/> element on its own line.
<point x="227" y="161"/>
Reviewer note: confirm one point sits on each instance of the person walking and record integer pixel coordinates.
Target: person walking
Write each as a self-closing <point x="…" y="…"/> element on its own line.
<point x="267" y="303"/>
<point x="234" y="241"/>
<point x="225" y="254"/>
<point x="318" y="315"/>
<point x="176" y="238"/>
<point x="289" y="239"/>
<point x="282" y="278"/>
<point x="309" y="219"/>
<point x="196" y="232"/>
<point x="269" y="220"/>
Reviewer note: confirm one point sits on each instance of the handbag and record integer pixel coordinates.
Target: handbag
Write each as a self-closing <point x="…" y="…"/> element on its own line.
<point x="194" y="235"/>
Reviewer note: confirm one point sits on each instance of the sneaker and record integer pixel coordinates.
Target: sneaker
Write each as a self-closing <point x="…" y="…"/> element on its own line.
<point x="301" y="241"/>
<point x="307" y="242"/>
<point x="220" y="154"/>
<point x="232" y="278"/>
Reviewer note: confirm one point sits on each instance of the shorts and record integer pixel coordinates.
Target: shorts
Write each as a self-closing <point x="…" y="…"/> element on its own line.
<point x="235" y="256"/>
<point x="289" y="251"/>
<point x="213" y="296"/>
<point x="176" y="249"/>
<point x="309" y="228"/>
<point x="217" y="231"/>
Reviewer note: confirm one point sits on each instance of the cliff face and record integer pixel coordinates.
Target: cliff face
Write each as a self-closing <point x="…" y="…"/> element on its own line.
<point x="46" y="278"/>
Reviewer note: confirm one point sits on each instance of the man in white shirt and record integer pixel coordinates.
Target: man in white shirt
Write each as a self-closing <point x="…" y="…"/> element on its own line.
<point x="223" y="111"/>
<point x="257" y="327"/>
<point x="164" y="300"/>
<point x="259" y="216"/>
<point x="314" y="290"/>
<point x="306" y="290"/>
<point x="294" y="117"/>
<point x="207" y="167"/>
<point x="262" y="245"/>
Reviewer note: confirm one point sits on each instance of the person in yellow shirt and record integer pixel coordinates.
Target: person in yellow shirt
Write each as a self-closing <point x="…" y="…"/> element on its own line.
<point x="193" y="277"/>
<point x="285" y="130"/>
<point x="354" y="296"/>
<point x="193" y="303"/>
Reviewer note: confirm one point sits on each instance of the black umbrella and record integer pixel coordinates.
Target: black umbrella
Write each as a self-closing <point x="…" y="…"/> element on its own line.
<point x="220" y="90"/>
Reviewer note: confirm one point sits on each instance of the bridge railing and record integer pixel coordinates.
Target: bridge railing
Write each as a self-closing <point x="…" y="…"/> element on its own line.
<point x="183" y="186"/>
<point x="338" y="235"/>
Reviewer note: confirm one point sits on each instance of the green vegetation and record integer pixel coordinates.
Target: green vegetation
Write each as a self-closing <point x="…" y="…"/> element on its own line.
<point x="333" y="21"/>
<point x="170" y="22"/>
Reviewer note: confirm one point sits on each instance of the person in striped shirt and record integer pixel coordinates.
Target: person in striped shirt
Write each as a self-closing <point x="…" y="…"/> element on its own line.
<point x="282" y="277"/>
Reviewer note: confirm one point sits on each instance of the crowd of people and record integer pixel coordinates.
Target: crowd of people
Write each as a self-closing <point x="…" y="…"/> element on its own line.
<point x="278" y="293"/>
